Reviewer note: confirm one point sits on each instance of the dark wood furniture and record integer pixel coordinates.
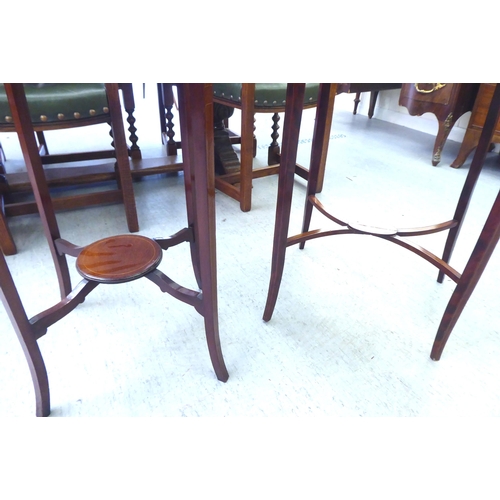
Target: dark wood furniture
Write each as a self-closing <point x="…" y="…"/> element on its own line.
<point x="90" y="172"/>
<point x="123" y="258"/>
<point x="476" y="123"/>
<point x="250" y="98"/>
<point x="253" y="98"/>
<point x="466" y="281"/>
<point x="359" y="88"/>
<point x="447" y="101"/>
<point x="72" y="99"/>
<point x="166" y="103"/>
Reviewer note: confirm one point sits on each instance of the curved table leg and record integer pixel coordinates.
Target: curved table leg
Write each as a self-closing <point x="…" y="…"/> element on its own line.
<point x="443" y="133"/>
<point x="487" y="240"/>
<point x="27" y="338"/>
<point x="486" y="243"/>
<point x="198" y="159"/>
<point x="291" y="129"/>
<point x="319" y="149"/>
<point x="472" y="177"/>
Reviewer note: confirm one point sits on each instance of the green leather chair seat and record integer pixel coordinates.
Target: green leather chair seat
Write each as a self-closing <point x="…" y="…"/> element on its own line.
<point x="267" y="95"/>
<point x="59" y="102"/>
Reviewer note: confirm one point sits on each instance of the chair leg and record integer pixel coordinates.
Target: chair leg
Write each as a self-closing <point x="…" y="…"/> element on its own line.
<point x="373" y="102"/>
<point x="161" y="111"/>
<point x="43" y="148"/>
<point x="129" y="105"/>
<point x="165" y="106"/>
<point x="274" y="148"/>
<point x="247" y="141"/>
<point x="122" y="160"/>
<point x="357" y="100"/>
<point x="3" y="159"/>
<point x="293" y="115"/>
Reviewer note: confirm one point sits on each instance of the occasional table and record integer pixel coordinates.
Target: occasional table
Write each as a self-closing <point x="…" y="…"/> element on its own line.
<point x="123" y="258"/>
<point x="465" y="281"/>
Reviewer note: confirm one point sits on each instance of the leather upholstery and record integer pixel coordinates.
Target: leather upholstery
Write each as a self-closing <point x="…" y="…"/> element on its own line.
<point x="59" y="102"/>
<point x="267" y="95"/>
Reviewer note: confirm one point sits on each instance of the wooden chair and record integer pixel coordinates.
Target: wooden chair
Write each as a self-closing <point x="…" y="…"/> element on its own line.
<point x="466" y="281"/>
<point x="126" y="257"/>
<point x="250" y="98"/>
<point x="61" y="106"/>
<point x="261" y="98"/>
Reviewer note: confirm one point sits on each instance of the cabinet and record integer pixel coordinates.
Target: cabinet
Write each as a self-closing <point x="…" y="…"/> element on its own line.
<point x="476" y="123"/>
<point x="447" y="101"/>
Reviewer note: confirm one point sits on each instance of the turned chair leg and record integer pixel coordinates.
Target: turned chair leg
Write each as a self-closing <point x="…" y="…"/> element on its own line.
<point x="122" y="160"/>
<point x="129" y="105"/>
<point x="274" y="148"/>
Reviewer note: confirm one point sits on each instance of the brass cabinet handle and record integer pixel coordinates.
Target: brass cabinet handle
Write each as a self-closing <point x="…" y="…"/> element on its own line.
<point x="437" y="86"/>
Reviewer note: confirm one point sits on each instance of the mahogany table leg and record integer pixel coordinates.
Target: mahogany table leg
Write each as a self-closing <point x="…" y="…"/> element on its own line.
<point x="472" y="177"/>
<point x="319" y="149"/>
<point x="473" y="270"/>
<point x="195" y="102"/>
<point x="293" y="115"/>
<point x="17" y="314"/>
<point x="487" y="240"/>
<point x="200" y="197"/>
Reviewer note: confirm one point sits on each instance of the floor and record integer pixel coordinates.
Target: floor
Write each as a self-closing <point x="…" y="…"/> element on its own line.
<point x="355" y="318"/>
